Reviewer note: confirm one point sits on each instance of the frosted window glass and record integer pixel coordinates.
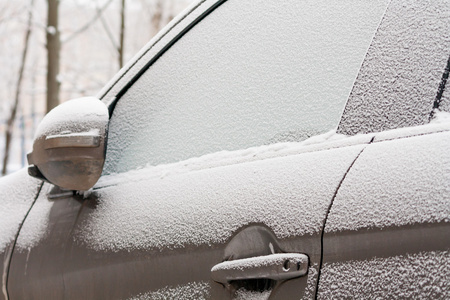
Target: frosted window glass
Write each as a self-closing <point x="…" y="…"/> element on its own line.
<point x="251" y="73"/>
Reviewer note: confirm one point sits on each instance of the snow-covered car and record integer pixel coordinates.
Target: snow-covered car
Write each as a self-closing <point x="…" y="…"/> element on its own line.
<point x="252" y="150"/>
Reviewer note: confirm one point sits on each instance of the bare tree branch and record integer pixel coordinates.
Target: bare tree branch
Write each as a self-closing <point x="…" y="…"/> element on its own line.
<point x="12" y="117"/>
<point x="11" y="15"/>
<point x="109" y="33"/>
<point x="98" y="14"/>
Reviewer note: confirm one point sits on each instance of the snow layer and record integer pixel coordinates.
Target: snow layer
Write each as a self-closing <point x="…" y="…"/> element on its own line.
<point x="51" y="30"/>
<point x="260" y="261"/>
<point x="445" y="100"/>
<point x="399" y="79"/>
<point x="17" y="193"/>
<point x="201" y="291"/>
<point x="423" y="275"/>
<point x="35" y="227"/>
<point x="62" y="118"/>
<point x="313" y="271"/>
<point x="440" y="117"/>
<point x="439" y="123"/>
<point x="257" y="79"/>
<point x="324" y="141"/>
<point x="289" y="194"/>
<point x="243" y="294"/>
<point x="190" y="291"/>
<point x="394" y="183"/>
<point x="166" y="34"/>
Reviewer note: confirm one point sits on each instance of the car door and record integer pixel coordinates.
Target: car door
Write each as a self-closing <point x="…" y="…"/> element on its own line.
<point x="219" y="153"/>
<point x="18" y="191"/>
<point x="387" y="232"/>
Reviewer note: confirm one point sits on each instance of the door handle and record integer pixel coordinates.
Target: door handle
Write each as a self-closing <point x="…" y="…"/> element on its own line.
<point x="280" y="266"/>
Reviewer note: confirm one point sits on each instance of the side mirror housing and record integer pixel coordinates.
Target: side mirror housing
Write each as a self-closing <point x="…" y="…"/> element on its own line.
<point x="70" y="144"/>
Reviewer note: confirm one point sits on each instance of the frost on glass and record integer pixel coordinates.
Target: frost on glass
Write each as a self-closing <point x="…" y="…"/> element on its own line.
<point x="400" y="76"/>
<point x="423" y="275"/>
<point x="251" y="73"/>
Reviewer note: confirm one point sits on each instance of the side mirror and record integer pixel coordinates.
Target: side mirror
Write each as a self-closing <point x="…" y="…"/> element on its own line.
<point x="70" y="144"/>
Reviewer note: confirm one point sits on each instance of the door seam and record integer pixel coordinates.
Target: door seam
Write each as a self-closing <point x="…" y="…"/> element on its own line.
<point x="328" y="212"/>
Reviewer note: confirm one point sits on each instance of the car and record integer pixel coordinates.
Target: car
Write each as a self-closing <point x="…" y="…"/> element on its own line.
<point x="252" y="150"/>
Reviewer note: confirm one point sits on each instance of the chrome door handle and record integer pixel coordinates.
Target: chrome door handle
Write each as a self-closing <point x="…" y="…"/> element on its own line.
<point x="275" y="266"/>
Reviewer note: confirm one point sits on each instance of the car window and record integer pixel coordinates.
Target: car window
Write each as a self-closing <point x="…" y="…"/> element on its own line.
<point x="241" y="79"/>
<point x="401" y="74"/>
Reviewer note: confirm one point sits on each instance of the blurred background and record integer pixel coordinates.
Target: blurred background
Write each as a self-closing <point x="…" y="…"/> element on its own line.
<point x="52" y="51"/>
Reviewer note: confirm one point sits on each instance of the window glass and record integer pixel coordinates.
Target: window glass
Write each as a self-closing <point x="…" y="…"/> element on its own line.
<point x="403" y="69"/>
<point x="253" y="72"/>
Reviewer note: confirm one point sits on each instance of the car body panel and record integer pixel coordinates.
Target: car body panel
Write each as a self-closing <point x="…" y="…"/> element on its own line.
<point x="153" y="231"/>
<point x="17" y="194"/>
<point x="49" y="221"/>
<point x="387" y="232"/>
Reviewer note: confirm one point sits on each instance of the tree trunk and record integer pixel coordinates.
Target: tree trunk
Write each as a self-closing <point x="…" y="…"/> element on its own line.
<point x="53" y="55"/>
<point x="122" y="34"/>
<point x="10" y="124"/>
<point x="157" y="16"/>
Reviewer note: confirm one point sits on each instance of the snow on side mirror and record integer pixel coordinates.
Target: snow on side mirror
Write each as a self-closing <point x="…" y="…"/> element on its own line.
<point x="70" y="144"/>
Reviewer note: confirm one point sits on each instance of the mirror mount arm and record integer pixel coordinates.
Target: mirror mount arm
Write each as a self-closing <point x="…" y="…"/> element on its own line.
<point x="33" y="171"/>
